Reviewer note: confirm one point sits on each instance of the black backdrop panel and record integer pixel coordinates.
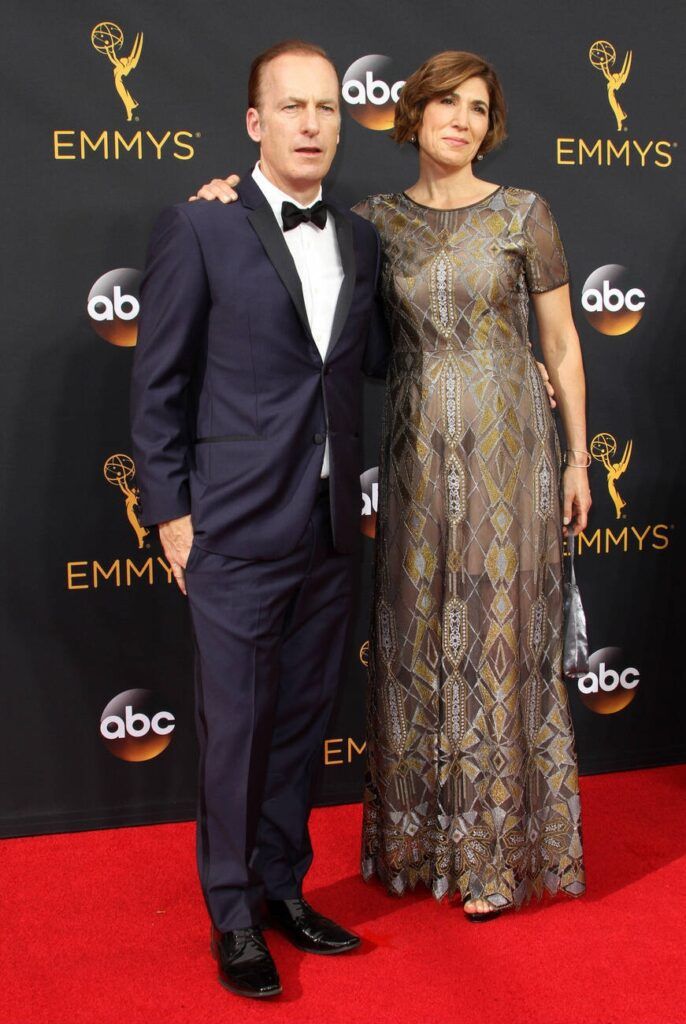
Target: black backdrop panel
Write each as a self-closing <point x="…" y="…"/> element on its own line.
<point x="97" y="723"/>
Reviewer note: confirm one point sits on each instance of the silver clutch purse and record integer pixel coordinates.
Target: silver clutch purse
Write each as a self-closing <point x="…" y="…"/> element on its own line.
<point x="575" y="637"/>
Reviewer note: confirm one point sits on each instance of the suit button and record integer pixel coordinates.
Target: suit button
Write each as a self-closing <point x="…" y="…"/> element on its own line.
<point x="319" y="438"/>
<point x="327" y="370"/>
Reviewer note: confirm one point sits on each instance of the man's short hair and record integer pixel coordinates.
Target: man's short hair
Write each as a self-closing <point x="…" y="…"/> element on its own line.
<point x="278" y="50"/>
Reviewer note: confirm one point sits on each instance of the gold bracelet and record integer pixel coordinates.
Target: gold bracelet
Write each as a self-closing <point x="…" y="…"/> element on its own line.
<point x="578" y="451"/>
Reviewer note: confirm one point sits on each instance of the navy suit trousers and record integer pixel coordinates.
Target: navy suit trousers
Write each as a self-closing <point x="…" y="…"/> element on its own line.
<point x="269" y="645"/>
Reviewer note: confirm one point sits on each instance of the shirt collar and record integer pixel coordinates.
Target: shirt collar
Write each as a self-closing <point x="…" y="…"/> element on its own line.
<point x="274" y="196"/>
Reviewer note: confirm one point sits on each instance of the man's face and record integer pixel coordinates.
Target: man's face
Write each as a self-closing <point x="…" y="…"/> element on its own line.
<point x="298" y="120"/>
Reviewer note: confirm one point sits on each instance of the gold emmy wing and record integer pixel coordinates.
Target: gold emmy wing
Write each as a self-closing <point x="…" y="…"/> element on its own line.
<point x="472" y="782"/>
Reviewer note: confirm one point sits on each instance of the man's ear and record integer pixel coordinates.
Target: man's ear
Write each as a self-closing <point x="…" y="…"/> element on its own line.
<point x="252" y="124"/>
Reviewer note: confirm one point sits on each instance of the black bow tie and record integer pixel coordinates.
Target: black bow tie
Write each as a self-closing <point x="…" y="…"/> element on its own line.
<point x="292" y="215"/>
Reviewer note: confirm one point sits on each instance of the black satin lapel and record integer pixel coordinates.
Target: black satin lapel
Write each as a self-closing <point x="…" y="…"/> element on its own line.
<point x="344" y="231"/>
<point x="271" y="236"/>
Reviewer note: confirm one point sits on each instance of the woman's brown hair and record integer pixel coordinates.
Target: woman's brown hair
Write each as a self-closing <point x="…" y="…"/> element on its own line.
<point x="439" y="76"/>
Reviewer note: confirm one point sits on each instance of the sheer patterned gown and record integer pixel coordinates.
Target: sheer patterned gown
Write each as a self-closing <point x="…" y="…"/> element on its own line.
<point x="472" y="782"/>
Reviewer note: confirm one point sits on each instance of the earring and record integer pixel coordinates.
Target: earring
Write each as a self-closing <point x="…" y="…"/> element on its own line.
<point x="413" y="138"/>
<point x="480" y="156"/>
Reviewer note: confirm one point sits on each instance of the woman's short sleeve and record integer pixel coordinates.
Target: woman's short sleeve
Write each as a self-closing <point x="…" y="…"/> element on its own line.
<point x="364" y="208"/>
<point x="545" y="264"/>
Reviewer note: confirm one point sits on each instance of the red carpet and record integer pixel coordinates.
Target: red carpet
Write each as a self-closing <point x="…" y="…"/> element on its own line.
<point x="110" y="927"/>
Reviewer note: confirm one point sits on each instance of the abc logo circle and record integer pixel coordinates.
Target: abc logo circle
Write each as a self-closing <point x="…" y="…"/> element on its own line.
<point x="136" y="726"/>
<point x="611" y="301"/>
<point x="370" y="91"/>
<point x="113" y="306"/>
<point x="369" y="482"/>
<point x="609" y="685"/>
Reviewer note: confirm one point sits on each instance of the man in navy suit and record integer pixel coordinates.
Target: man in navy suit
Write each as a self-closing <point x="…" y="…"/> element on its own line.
<point x="257" y="321"/>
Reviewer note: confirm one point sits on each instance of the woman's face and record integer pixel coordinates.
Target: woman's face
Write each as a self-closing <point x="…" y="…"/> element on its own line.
<point x="453" y="126"/>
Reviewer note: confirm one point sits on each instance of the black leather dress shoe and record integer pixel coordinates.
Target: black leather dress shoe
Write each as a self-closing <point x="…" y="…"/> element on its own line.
<point x="245" y="963"/>
<point x="308" y="930"/>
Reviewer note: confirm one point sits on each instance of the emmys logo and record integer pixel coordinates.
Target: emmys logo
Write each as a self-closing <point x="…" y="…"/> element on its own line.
<point x="369" y="482"/>
<point x="107" y="38"/>
<point x="119" y="470"/>
<point x="608" y="152"/>
<point x="603" y="57"/>
<point x="624" y="537"/>
<point x="149" y="569"/>
<point x="609" y="305"/>
<point x="608" y="687"/>
<point x="367" y="94"/>
<point x="342" y="750"/>
<point x="603" y="449"/>
<point x="113" y="306"/>
<point x="364" y="654"/>
<point x="134" y="727"/>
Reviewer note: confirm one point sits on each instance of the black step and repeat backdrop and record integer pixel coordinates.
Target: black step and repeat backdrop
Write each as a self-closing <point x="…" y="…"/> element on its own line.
<point x="114" y="110"/>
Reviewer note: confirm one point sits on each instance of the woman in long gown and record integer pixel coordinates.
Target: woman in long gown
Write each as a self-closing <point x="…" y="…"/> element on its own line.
<point x="472" y="785"/>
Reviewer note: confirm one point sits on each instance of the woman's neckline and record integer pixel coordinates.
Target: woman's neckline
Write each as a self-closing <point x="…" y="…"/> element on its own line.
<point x="453" y="209"/>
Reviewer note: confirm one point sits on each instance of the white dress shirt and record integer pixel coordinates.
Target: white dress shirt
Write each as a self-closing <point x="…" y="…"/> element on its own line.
<point x="318" y="262"/>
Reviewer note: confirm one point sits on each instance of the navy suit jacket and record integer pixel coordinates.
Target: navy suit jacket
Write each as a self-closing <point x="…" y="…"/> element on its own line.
<point x="231" y="401"/>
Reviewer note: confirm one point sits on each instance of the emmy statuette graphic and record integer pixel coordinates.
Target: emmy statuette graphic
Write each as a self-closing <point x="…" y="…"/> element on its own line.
<point x="603" y="56"/>
<point x="107" y="38"/>
<point x="118" y="471"/>
<point x="603" y="449"/>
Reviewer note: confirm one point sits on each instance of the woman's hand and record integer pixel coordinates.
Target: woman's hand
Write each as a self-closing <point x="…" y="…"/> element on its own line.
<point x="576" y="496"/>
<point x="219" y="188"/>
